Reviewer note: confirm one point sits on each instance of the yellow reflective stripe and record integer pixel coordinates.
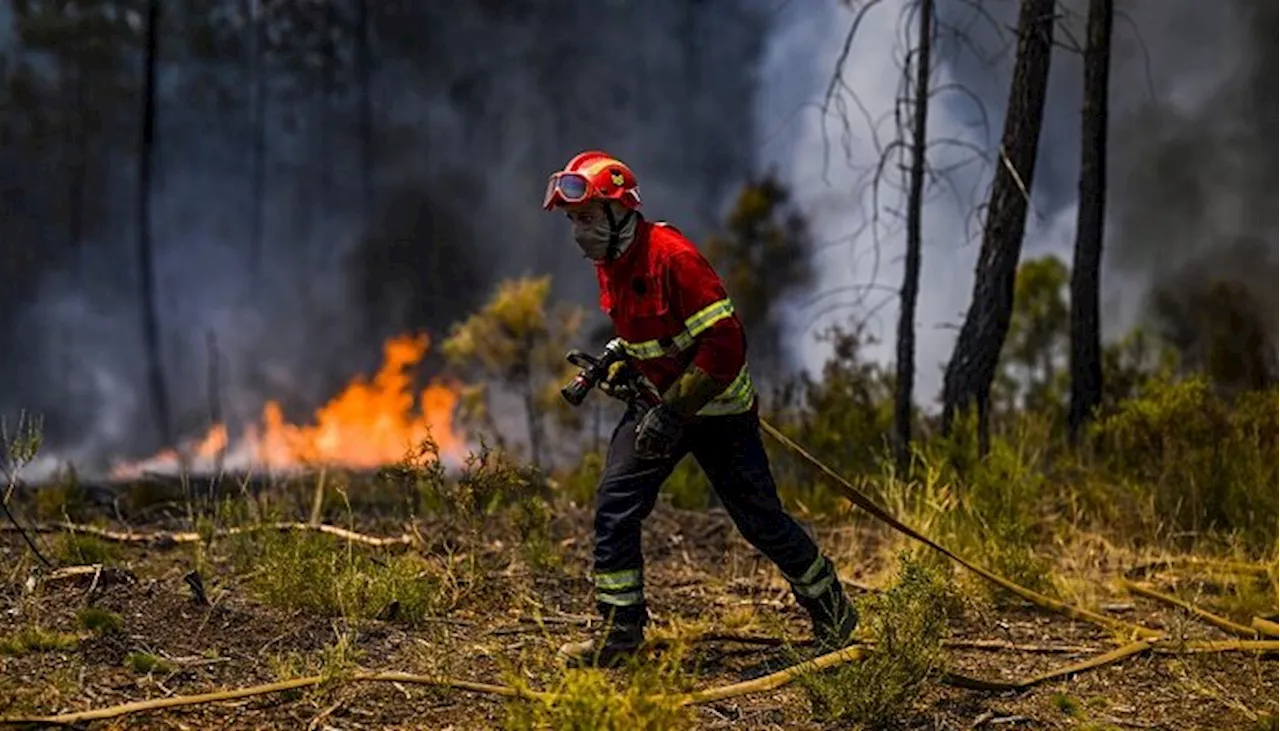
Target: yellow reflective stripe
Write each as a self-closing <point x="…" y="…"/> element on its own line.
<point x="628" y="599"/>
<point x="812" y="573"/>
<point x="698" y="322"/>
<point x="694" y="325"/>
<point x="816" y="579"/>
<point x="627" y="579"/>
<point x="736" y="398"/>
<point x="647" y="350"/>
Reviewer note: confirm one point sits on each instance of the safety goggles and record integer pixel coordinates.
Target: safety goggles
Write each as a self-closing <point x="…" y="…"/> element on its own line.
<point x="566" y="187"/>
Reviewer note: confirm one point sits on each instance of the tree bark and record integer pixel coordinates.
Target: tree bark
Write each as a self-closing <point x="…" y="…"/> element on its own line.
<point x="906" y="367"/>
<point x="146" y="265"/>
<point x="1086" y="340"/>
<point x="973" y="363"/>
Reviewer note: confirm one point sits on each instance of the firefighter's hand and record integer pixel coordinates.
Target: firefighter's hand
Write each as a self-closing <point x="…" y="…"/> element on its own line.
<point x="657" y="433"/>
<point x="617" y="384"/>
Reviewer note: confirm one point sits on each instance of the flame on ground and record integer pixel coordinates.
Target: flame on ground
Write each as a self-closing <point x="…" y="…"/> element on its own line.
<point x="368" y="425"/>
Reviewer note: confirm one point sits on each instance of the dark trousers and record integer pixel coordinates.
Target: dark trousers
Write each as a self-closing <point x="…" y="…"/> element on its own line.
<point x="730" y="452"/>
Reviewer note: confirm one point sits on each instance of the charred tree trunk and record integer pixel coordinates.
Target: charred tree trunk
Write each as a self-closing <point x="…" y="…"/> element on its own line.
<point x="906" y="366"/>
<point x="258" y="149"/>
<point x="973" y="364"/>
<point x="364" y="76"/>
<point x="1086" y="340"/>
<point x="146" y="265"/>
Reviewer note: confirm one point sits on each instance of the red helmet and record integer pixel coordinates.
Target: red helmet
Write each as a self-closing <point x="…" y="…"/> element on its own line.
<point x="592" y="175"/>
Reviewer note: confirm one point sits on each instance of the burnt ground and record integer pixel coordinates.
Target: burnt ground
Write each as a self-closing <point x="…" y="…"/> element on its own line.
<point x="698" y="569"/>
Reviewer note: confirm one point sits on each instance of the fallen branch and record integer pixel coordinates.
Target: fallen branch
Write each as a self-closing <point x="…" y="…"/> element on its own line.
<point x="996" y="645"/>
<point x="176" y="701"/>
<point x="771" y="681"/>
<point x="1266" y="627"/>
<point x="762" y="684"/>
<point x="1194" y="647"/>
<point x="164" y="539"/>
<point x="1097" y="661"/>
<point x="1220" y="622"/>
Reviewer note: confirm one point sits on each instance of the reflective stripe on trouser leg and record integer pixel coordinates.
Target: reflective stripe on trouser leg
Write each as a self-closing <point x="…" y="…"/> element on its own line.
<point x="620" y="588"/>
<point x="816" y="580"/>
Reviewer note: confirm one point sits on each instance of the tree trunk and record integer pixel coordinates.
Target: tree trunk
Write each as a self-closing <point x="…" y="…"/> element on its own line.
<point x="146" y="267"/>
<point x="1086" y="341"/>
<point x="973" y="363"/>
<point x="258" y="149"/>
<point x="533" y="419"/>
<point x="364" y="74"/>
<point x="906" y="367"/>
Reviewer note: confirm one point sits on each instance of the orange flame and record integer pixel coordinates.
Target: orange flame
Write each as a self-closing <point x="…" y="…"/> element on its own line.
<point x="368" y="425"/>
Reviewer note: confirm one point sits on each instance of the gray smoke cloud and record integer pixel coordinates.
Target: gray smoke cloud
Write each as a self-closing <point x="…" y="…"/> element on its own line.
<point x="480" y="100"/>
<point x="475" y="103"/>
<point x="1192" y="180"/>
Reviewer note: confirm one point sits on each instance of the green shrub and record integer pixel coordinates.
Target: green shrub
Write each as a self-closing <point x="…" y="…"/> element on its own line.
<point x="589" y="699"/>
<point x="1205" y="461"/>
<point x="907" y="623"/>
<point x="302" y="570"/>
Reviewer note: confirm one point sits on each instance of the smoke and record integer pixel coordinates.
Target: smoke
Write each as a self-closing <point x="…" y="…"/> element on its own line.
<point x="474" y="103"/>
<point x="1192" y="185"/>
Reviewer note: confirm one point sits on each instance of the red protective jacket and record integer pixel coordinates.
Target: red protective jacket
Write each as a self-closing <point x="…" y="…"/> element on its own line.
<point x="670" y="309"/>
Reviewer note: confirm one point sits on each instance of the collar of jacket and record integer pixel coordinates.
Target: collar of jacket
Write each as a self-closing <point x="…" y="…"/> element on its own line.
<point x="629" y="254"/>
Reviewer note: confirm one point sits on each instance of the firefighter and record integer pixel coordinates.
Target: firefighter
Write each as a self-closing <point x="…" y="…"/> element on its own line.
<point x="679" y="329"/>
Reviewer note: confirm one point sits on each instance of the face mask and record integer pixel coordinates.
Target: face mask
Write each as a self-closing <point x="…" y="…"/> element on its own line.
<point x="595" y="238"/>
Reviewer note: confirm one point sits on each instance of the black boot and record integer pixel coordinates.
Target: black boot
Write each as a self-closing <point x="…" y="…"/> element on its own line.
<point x="613" y="644"/>
<point x="834" y="616"/>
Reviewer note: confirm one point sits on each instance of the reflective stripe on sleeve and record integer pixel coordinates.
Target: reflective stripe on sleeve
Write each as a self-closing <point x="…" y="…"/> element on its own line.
<point x="694" y="325"/>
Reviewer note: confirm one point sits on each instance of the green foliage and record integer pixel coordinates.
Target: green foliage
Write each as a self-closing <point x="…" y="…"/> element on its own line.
<point x="588" y="699"/>
<point x="1206" y="461"/>
<point x="1002" y="504"/>
<point x="688" y="487"/>
<point x="302" y="570"/>
<point x="517" y="341"/>
<point x="762" y="256"/>
<point x="843" y="418"/>
<point x="97" y="619"/>
<point x="907" y="623"/>
<point x="36" y="639"/>
<point x="79" y="549"/>
<point x="145" y="663"/>
<point x="579" y="482"/>
<point x="1035" y="350"/>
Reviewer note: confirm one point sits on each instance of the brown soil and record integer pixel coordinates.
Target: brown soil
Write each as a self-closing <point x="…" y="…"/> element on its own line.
<point x="698" y="568"/>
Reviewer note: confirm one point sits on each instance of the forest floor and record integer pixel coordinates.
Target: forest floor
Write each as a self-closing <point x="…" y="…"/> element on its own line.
<point x="504" y="623"/>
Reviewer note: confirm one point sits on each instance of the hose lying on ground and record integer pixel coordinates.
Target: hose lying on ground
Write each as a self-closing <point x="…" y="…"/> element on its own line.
<point x="1149" y="639"/>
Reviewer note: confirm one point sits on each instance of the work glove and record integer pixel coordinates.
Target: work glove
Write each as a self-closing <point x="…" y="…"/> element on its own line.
<point x="618" y="383"/>
<point x="657" y="433"/>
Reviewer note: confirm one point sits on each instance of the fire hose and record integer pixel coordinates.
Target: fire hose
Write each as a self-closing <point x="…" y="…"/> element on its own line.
<point x="628" y="384"/>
